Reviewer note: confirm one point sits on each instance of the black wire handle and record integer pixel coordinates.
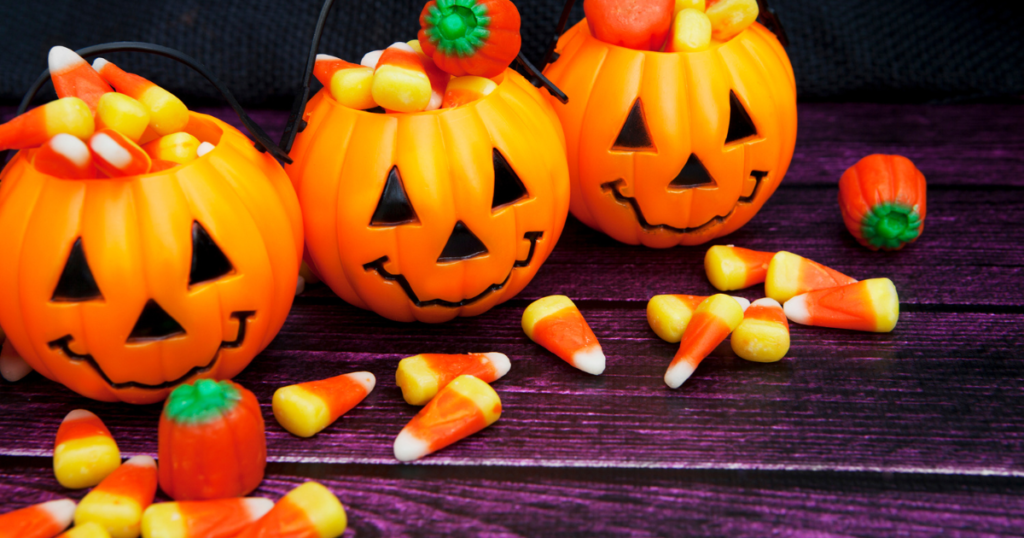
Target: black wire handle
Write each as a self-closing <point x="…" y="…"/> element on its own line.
<point x="766" y="14"/>
<point x="296" y="124"/>
<point x="262" y="143"/>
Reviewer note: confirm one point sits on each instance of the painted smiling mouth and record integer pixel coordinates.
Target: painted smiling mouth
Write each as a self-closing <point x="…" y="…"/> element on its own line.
<point x="614" y="186"/>
<point x="377" y="266"/>
<point x="64" y="342"/>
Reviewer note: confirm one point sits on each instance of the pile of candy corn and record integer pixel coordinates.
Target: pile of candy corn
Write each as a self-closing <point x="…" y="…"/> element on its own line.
<point x="105" y="123"/>
<point x="669" y="25"/>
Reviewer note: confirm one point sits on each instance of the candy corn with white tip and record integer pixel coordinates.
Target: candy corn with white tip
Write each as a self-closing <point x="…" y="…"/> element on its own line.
<point x="348" y="83"/>
<point x="669" y="315"/>
<point x="555" y="323"/>
<point x="400" y="82"/>
<point x="180" y="148"/>
<point x="89" y="530"/>
<point x="734" y="268"/>
<point x="167" y="114"/>
<point x="691" y="32"/>
<point x="730" y="17"/>
<point x="123" y="114"/>
<point x="790" y="275"/>
<point x="763" y="335"/>
<point x="12" y="366"/>
<point x="117" y="156"/>
<point x="462" y="408"/>
<point x="307" y="408"/>
<point x="44" y="520"/>
<point x="371" y="58"/>
<point x="712" y="322"/>
<point x="73" y="77"/>
<point x="308" y="511"/>
<point x="869" y="305"/>
<point x="221" y="518"/>
<point x="462" y="90"/>
<point x="205" y="148"/>
<point x="438" y="77"/>
<point x="84" y="453"/>
<point x="420" y="377"/>
<point x="65" y="157"/>
<point x="118" y="501"/>
<point x="69" y="115"/>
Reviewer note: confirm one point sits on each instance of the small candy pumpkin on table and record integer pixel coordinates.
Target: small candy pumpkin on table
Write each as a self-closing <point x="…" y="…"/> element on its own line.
<point x="681" y="120"/>
<point x="883" y="201"/>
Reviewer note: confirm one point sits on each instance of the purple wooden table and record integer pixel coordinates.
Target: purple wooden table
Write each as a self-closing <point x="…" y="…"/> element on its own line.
<point x="915" y="432"/>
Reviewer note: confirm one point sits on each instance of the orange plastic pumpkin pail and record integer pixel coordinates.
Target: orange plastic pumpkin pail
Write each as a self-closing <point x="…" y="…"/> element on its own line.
<point x="431" y="215"/>
<point x="674" y="148"/>
<point x="123" y="288"/>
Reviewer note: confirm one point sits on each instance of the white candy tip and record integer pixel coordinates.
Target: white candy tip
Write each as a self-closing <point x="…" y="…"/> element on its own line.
<point x="371" y="58"/>
<point x="300" y="286"/>
<point x="141" y="461"/>
<point x="78" y="414"/>
<point x="62" y="511"/>
<point x="204" y="148"/>
<point x="62" y="58"/>
<point x="796" y="310"/>
<point x="257" y="506"/>
<point x="767" y="301"/>
<point x="12" y="366"/>
<point x="70" y="147"/>
<point x="98" y="64"/>
<point x="590" y="360"/>
<point x="326" y="57"/>
<point x="501" y="363"/>
<point x="409" y="448"/>
<point x="366" y="379"/>
<point x="676" y="375"/>
<point x="436" y="99"/>
<point x="744" y="303"/>
<point x="402" y="46"/>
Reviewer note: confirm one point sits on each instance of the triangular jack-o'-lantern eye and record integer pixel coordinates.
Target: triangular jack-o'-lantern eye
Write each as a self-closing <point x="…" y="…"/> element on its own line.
<point x="462" y="244"/>
<point x="394" y="206"/>
<point x="634" y="135"/>
<point x="740" y="124"/>
<point x="692" y="175"/>
<point x="154" y="323"/>
<point x="208" y="260"/>
<point x="76" y="281"/>
<point x="508" y="188"/>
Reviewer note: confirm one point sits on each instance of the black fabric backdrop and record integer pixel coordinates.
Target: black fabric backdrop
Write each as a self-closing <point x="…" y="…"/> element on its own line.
<point x="864" y="50"/>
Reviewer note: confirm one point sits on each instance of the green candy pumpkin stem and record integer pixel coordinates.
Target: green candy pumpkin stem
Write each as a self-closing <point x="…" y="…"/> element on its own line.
<point x="458" y="27"/>
<point x="890" y="225"/>
<point x="201" y="401"/>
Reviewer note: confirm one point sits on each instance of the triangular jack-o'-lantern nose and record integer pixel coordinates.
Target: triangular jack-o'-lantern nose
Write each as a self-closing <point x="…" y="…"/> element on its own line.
<point x="462" y="245"/>
<point x="155" y="324"/>
<point x="693" y="174"/>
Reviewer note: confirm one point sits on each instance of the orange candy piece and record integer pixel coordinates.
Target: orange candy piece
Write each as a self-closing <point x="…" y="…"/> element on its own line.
<point x="69" y="115"/>
<point x="421" y="377"/>
<point x="84" y="453"/>
<point x="308" y="511"/>
<point x="43" y="520"/>
<point x="72" y="76"/>
<point x="555" y="323"/>
<point x="712" y="322"/>
<point x="734" y="268"/>
<point x="870" y="305"/>
<point x="117" y="156"/>
<point x="307" y="408"/>
<point x="118" y="501"/>
<point x="65" y="157"/>
<point x="669" y="315"/>
<point x="790" y="275"/>
<point x="348" y="83"/>
<point x="763" y="335"/>
<point x="462" y="408"/>
<point x="221" y="518"/>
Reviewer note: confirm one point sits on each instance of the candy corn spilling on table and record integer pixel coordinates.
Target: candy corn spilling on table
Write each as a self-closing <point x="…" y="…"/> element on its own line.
<point x="12" y="366"/>
<point x="555" y="323"/>
<point x="118" y="501"/>
<point x="307" y="408"/>
<point x="43" y="520"/>
<point x="790" y="275"/>
<point x="669" y="315"/>
<point x="221" y="518"/>
<point x="763" y="335"/>
<point x="462" y="408"/>
<point x="73" y="77"/>
<point x="870" y="305"/>
<point x="84" y="453"/>
<point x="89" y="530"/>
<point x="421" y="377"/>
<point x="308" y="511"/>
<point x="734" y="268"/>
<point x="714" y="319"/>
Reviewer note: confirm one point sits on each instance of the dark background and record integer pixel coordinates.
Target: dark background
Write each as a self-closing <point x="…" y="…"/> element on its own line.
<point x="865" y="50"/>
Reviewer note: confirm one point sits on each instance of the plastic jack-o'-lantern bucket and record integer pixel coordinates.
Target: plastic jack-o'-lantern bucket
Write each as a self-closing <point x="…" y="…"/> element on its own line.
<point x="674" y="148"/>
<point x="430" y="215"/>
<point x="123" y="288"/>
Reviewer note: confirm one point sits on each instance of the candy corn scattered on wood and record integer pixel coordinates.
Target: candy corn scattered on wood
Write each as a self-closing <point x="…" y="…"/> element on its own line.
<point x="870" y="305"/>
<point x="420" y="377"/>
<point x="308" y="511"/>
<point x="307" y="408"/>
<point x="221" y="518"/>
<point x="43" y="520"/>
<point x="462" y="408"/>
<point x="734" y="268"/>
<point x="763" y="335"/>
<point x="555" y="323"/>
<point x="89" y="530"/>
<point x="790" y="275"/>
<point x="84" y="453"/>
<point x="118" y="501"/>
<point x="714" y="319"/>
<point x="669" y="315"/>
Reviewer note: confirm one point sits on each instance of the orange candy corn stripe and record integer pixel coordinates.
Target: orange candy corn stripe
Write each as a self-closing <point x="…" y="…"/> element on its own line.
<point x="555" y="323"/>
<point x="117" y="156"/>
<point x="669" y="315"/>
<point x="222" y="518"/>
<point x="43" y="520"/>
<point x="84" y="453"/>
<point x="65" y="157"/>
<point x="118" y="501"/>
<point x="463" y="90"/>
<point x="72" y="76"/>
<point x="734" y="268"/>
<point x="870" y="305"/>
<point x="464" y="407"/>
<point x="308" y="511"/>
<point x="421" y="377"/>
<point x="350" y="84"/>
<point x="167" y="114"/>
<point x="763" y="335"/>
<point x="307" y="408"/>
<point x="712" y="322"/>
<point x="400" y="83"/>
<point x="790" y="275"/>
<point x="68" y="115"/>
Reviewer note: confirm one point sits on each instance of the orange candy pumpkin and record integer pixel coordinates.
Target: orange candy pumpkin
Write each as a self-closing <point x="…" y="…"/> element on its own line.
<point x="122" y="289"/>
<point x="882" y="199"/>
<point x="674" y="148"/>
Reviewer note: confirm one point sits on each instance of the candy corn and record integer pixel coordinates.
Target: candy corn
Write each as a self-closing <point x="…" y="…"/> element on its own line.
<point x="118" y="501"/>
<point x="462" y="408"/>
<point x="730" y="17"/>
<point x="422" y="376"/>
<point x="12" y="366"/>
<point x="85" y="453"/>
<point x="73" y="77"/>
<point x="555" y="323"/>
<point x="669" y="315"/>
<point x="712" y="322"/>
<point x="222" y="518"/>
<point x="179" y="148"/>
<point x="689" y="4"/>
<point x="763" y="335"/>
<point x="400" y="82"/>
<point x="371" y="58"/>
<point x="89" y="530"/>
<point x="438" y="77"/>
<point x="734" y="268"/>
<point x="308" y="511"/>
<point x="116" y="155"/>
<point x="790" y="275"/>
<point x="691" y="32"/>
<point x="167" y="114"/>
<point x="204" y="148"/>
<point x="68" y="115"/>
<point x="348" y="83"/>
<point x="462" y="90"/>
<point x="159" y="166"/>
<point x="43" y="520"/>
<point x="65" y="157"/>
<point x="123" y="114"/>
<point x="307" y="408"/>
<point x="870" y="305"/>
